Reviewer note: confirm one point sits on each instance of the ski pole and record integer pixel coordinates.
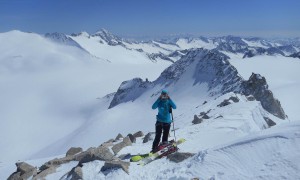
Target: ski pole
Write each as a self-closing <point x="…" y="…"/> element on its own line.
<point x="173" y="122"/>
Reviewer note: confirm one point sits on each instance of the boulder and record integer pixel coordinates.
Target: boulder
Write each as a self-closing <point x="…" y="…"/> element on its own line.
<point x="73" y="150"/>
<point x="205" y="116"/>
<point x="119" y="136"/>
<point x="179" y="156"/>
<point x="234" y="99"/>
<point x="126" y="142"/>
<point x="138" y="134"/>
<point x="132" y="138"/>
<point x="224" y="103"/>
<point x="197" y="120"/>
<point x="109" y="165"/>
<point x="44" y="173"/>
<point x="101" y="153"/>
<point x="148" y="137"/>
<point x="269" y="121"/>
<point x="75" y="173"/>
<point x="24" y="171"/>
<point x="250" y="98"/>
<point x="56" y="162"/>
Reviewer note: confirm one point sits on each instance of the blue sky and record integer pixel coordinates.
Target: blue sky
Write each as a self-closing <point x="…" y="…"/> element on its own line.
<point x="265" y="18"/>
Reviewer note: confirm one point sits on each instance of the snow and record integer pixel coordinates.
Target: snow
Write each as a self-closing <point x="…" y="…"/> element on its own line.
<point x="282" y="74"/>
<point x="254" y="43"/>
<point x="48" y="90"/>
<point x="195" y="43"/>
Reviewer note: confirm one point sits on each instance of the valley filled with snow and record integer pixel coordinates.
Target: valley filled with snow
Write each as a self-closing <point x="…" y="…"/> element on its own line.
<point x="61" y="91"/>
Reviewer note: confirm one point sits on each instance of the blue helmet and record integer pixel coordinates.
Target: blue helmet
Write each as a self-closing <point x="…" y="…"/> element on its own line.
<point x="164" y="91"/>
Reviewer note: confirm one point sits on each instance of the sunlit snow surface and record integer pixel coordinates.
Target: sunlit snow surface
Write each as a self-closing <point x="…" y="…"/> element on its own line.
<point x="49" y="102"/>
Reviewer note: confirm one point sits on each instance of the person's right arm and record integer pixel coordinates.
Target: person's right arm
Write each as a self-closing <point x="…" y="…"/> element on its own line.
<point x="155" y="105"/>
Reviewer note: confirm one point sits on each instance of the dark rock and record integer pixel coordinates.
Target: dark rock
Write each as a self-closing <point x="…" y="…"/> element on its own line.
<point x="119" y="136"/>
<point x="197" y="120"/>
<point x="107" y="144"/>
<point x="101" y="153"/>
<point x="44" y="173"/>
<point x="132" y="138"/>
<point x="148" y="137"/>
<point x="269" y="121"/>
<point x="205" y="116"/>
<point x="126" y="142"/>
<point x="129" y="91"/>
<point x="138" y="134"/>
<point x="109" y="165"/>
<point x="250" y="98"/>
<point x="15" y="176"/>
<point x="75" y="173"/>
<point x="204" y="102"/>
<point x="179" y="156"/>
<point x="56" y="162"/>
<point x="24" y="171"/>
<point x="258" y="87"/>
<point x="234" y="99"/>
<point x="224" y="103"/>
<point x="110" y="141"/>
<point x="73" y="150"/>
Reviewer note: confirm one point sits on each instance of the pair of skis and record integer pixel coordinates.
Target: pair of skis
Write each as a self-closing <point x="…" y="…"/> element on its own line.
<point x="148" y="158"/>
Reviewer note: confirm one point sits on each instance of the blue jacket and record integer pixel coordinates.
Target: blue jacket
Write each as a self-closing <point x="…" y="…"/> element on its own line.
<point x="163" y="109"/>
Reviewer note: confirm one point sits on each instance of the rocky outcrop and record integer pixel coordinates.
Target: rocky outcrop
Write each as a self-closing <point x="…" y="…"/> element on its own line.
<point x="258" y="87"/>
<point x="179" y="156"/>
<point x="119" y="136"/>
<point x="197" y="120"/>
<point x="129" y="91"/>
<point x="148" y="137"/>
<point x="101" y="153"/>
<point x="138" y="134"/>
<point x="269" y="121"/>
<point x="75" y="173"/>
<point x="132" y="138"/>
<point x="24" y="171"/>
<point x="110" y="165"/>
<point x="229" y="101"/>
<point x="73" y="150"/>
<point x="126" y="142"/>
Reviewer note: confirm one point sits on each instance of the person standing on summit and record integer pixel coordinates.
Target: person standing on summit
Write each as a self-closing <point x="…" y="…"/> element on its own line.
<point x="163" y="118"/>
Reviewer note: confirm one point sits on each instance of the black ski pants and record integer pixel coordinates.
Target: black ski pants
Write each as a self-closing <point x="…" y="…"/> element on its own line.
<point x="159" y="128"/>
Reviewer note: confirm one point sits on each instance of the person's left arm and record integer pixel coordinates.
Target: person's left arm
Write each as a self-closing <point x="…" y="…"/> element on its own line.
<point x="173" y="105"/>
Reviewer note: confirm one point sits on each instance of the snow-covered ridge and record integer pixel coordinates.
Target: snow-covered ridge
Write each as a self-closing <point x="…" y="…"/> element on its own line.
<point x="209" y="67"/>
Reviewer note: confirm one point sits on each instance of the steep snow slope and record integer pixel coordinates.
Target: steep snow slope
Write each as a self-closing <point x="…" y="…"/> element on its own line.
<point x="282" y="74"/>
<point x="47" y="89"/>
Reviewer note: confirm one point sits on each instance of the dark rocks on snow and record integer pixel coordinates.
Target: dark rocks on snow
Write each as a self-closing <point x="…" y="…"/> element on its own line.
<point x="75" y="173"/>
<point x="73" y="150"/>
<point x="44" y="173"/>
<point x="132" y="138"/>
<point x="101" y="153"/>
<point x="204" y="102"/>
<point x="258" y="87"/>
<point x="179" y="156"/>
<point x="111" y="165"/>
<point x="269" y="121"/>
<point x="119" y="136"/>
<point x="138" y="134"/>
<point x="250" y="98"/>
<point x="197" y="120"/>
<point x="205" y="116"/>
<point x="129" y="91"/>
<point x="148" y="137"/>
<point x="24" y="171"/>
<point x="228" y="101"/>
<point x="117" y="147"/>
<point x="56" y="162"/>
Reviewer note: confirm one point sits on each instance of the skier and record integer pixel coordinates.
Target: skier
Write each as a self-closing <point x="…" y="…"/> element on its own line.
<point x="163" y="123"/>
